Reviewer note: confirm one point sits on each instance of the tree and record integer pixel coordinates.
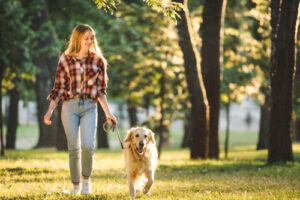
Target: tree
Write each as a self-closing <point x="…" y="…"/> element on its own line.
<point x="61" y="143"/>
<point x="197" y="92"/>
<point x="47" y="62"/>
<point x="46" y="59"/>
<point x="15" y="54"/>
<point x="1" y="117"/>
<point x="297" y="130"/>
<point x="12" y="124"/>
<point x="260" y="29"/>
<point x="236" y="85"/>
<point x="264" y="120"/>
<point x="296" y="95"/>
<point x="211" y="63"/>
<point x="242" y="56"/>
<point x="102" y="141"/>
<point x="2" y="67"/>
<point x="187" y="130"/>
<point x="226" y="144"/>
<point x="283" y="21"/>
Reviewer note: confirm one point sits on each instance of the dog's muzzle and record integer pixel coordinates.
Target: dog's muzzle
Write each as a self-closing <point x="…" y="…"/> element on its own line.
<point x="140" y="148"/>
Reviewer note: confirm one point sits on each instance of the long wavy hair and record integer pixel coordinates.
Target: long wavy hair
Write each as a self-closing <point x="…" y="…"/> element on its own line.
<point x="74" y="44"/>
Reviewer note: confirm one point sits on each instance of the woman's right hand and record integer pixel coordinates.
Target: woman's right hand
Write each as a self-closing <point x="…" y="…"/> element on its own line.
<point x="47" y="117"/>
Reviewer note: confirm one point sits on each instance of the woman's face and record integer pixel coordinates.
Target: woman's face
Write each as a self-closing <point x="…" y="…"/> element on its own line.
<point x="87" y="40"/>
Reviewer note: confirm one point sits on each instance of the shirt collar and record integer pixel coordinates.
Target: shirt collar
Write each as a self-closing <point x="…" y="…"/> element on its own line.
<point x="84" y="59"/>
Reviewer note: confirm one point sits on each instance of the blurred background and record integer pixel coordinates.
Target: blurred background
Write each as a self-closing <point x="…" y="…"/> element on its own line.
<point x="147" y="81"/>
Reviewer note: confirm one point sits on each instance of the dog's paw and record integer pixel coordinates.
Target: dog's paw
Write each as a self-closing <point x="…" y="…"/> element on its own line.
<point x="132" y="195"/>
<point x="138" y="191"/>
<point x="146" y="192"/>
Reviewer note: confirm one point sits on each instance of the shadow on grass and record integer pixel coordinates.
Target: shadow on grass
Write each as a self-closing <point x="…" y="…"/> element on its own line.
<point x="45" y="154"/>
<point x="165" y="172"/>
<point x="24" y="171"/>
<point x="37" y="175"/>
<point x="184" y="170"/>
<point x="236" y="168"/>
<point x="63" y="196"/>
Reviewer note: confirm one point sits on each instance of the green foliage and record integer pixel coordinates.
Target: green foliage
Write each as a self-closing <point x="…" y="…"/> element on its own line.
<point x="141" y="55"/>
<point x="169" y="9"/>
<point x="107" y="5"/>
<point x="246" y="50"/>
<point x="16" y="45"/>
<point x="193" y="5"/>
<point x="260" y="45"/>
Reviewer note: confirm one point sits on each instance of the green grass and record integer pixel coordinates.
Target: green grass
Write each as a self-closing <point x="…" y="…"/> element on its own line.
<point x="44" y="173"/>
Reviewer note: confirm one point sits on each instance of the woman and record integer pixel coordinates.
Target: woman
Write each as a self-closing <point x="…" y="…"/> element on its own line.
<point x="80" y="82"/>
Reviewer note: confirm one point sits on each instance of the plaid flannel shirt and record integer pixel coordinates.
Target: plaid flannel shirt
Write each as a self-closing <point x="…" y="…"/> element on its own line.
<point x="79" y="77"/>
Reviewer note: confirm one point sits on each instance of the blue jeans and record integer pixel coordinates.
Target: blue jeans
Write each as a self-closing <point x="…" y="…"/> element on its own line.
<point x="79" y="114"/>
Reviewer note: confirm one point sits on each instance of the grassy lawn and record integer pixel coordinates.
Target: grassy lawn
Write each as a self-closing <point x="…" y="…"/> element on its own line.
<point x="43" y="174"/>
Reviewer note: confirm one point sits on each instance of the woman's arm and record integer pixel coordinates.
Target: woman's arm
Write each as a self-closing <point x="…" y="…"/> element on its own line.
<point x="104" y="105"/>
<point x="58" y="90"/>
<point x="48" y="115"/>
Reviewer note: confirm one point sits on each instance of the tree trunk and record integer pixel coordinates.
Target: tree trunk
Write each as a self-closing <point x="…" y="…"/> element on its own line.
<point x="264" y="122"/>
<point x="212" y="60"/>
<point x="162" y="112"/>
<point x="132" y="112"/>
<point x="102" y="140"/>
<point x="197" y="93"/>
<point x="227" y="129"/>
<point x="297" y="130"/>
<point x="2" y="68"/>
<point x="1" y="116"/>
<point x="61" y="139"/>
<point x="12" y="123"/>
<point x="187" y="131"/>
<point x="282" y="75"/>
<point x="45" y="79"/>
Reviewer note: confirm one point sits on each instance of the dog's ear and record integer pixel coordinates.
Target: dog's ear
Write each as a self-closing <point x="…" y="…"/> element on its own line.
<point x="151" y="136"/>
<point x="129" y="135"/>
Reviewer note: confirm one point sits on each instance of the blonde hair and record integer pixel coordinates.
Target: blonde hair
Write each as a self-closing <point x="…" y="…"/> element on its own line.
<point x="74" y="45"/>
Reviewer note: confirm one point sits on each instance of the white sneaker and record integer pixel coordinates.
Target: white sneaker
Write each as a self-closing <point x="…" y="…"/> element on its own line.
<point x="86" y="186"/>
<point x="75" y="190"/>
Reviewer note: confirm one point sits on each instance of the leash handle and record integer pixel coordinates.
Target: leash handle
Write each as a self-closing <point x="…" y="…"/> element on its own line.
<point x="110" y="127"/>
<point x="114" y="126"/>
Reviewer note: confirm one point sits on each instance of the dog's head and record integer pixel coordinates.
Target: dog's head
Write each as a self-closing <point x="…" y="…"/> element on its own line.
<point x="139" y="139"/>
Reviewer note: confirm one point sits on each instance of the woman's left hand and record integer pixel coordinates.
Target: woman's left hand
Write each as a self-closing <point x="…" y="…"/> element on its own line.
<point x="47" y="117"/>
<point x="112" y="119"/>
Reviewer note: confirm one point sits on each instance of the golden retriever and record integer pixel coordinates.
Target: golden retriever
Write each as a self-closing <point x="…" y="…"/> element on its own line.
<point x="140" y="160"/>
